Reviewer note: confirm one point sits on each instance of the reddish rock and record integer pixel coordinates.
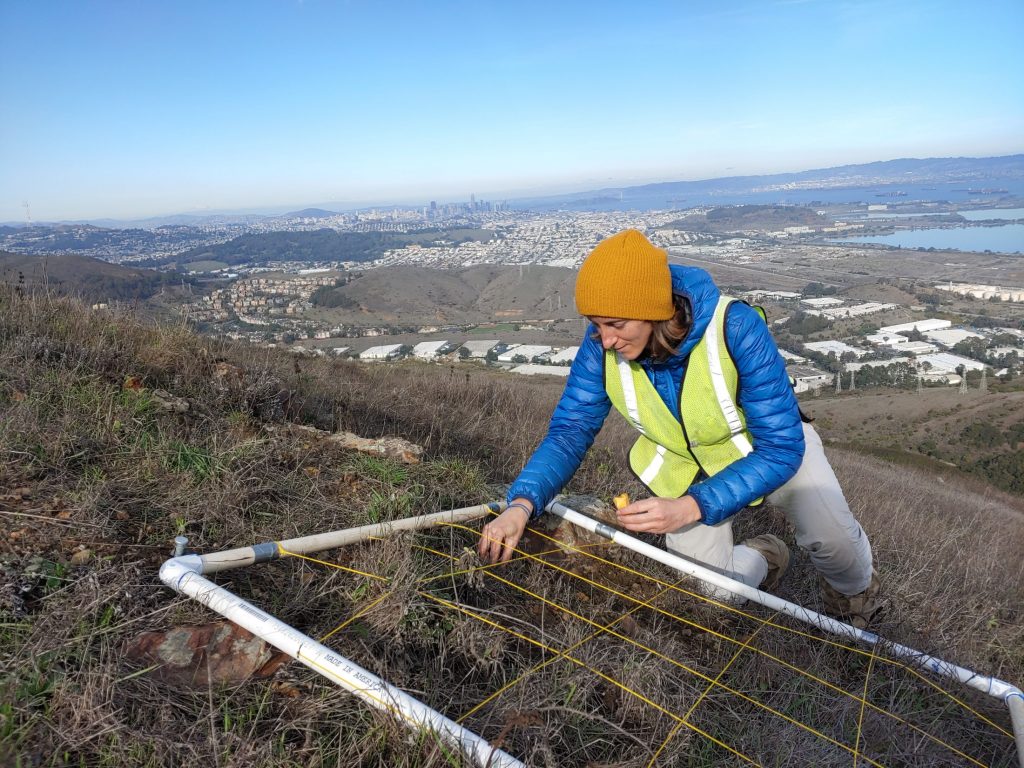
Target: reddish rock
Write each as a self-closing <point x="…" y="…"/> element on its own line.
<point x="206" y="654"/>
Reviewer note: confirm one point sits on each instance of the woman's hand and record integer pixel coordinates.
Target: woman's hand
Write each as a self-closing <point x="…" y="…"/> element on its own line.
<point x="499" y="538"/>
<point x="659" y="515"/>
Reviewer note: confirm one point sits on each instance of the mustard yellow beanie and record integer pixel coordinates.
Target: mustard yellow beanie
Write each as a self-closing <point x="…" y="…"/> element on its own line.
<point x="625" y="276"/>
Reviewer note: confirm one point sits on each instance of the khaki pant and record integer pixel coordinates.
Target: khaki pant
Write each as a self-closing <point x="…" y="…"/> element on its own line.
<point x="816" y="508"/>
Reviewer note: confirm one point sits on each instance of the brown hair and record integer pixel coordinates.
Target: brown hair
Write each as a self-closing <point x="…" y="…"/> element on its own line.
<point x="667" y="335"/>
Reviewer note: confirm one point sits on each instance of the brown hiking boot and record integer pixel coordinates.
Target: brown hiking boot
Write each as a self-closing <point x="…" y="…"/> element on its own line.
<point x="860" y="609"/>
<point x="775" y="552"/>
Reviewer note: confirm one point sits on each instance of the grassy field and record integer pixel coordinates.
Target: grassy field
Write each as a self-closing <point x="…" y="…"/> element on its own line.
<point x="608" y="661"/>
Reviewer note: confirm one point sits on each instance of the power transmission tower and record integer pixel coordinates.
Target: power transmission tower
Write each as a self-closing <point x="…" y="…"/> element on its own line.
<point x="853" y="384"/>
<point x="839" y="382"/>
<point x="920" y="386"/>
<point x="983" y="384"/>
<point x="28" y="212"/>
<point x="963" y="383"/>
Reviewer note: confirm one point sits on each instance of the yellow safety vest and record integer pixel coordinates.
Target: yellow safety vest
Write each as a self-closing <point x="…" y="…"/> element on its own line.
<point x="712" y="434"/>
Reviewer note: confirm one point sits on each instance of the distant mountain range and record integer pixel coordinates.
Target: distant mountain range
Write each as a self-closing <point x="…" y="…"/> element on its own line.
<point x="931" y="178"/>
<point x="949" y="175"/>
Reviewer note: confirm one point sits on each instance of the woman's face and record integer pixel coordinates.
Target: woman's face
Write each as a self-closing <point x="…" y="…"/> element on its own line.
<point x="627" y="337"/>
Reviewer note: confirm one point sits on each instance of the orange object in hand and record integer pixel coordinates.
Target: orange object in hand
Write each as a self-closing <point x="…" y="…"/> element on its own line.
<point x="620" y="501"/>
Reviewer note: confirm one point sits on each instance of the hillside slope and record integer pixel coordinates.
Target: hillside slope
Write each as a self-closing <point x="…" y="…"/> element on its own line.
<point x="91" y="279"/>
<point x="471" y="295"/>
<point x="116" y="435"/>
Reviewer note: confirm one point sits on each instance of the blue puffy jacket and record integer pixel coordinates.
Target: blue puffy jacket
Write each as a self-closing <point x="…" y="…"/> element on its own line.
<point x="765" y="396"/>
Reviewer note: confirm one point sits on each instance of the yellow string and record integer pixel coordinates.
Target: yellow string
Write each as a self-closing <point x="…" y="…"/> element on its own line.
<point x="678" y="664"/>
<point x="550" y="660"/>
<point x="769" y="622"/>
<point x="286" y="553"/>
<point x="860" y="718"/>
<point x="693" y="707"/>
<point x="763" y="622"/>
<point x="361" y="612"/>
<point x="584" y="665"/>
<point x="639" y="604"/>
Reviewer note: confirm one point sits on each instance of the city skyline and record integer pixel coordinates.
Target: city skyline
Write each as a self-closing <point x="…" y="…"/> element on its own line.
<point x="125" y="111"/>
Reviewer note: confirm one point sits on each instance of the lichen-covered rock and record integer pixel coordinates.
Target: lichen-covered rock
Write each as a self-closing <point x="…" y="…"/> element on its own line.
<point x="206" y="654"/>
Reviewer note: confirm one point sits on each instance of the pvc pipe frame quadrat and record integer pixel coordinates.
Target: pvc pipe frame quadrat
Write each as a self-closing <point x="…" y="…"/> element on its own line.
<point x="186" y="575"/>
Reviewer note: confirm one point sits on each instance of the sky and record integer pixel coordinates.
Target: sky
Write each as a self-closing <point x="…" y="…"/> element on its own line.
<point x="131" y="109"/>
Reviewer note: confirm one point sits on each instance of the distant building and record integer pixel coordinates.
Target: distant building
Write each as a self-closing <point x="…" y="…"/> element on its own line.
<point x="885" y="339"/>
<point x="385" y="352"/>
<point x="760" y="295"/>
<point x="792" y="357"/>
<point x="914" y="348"/>
<point x="950" y="337"/>
<point x="822" y="302"/>
<point x="875" y="363"/>
<point x="807" y="377"/>
<point x="478" y="348"/>
<point x="529" y="351"/>
<point x="984" y="291"/>
<point x="932" y="324"/>
<point x="857" y="310"/>
<point x="565" y="356"/>
<point x="426" y="350"/>
<point x="832" y="346"/>
<point x="944" y="362"/>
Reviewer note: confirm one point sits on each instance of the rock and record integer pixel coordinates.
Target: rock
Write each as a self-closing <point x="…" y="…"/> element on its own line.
<point x="389" y="447"/>
<point x="168" y="402"/>
<point x="81" y="557"/>
<point x="203" y="655"/>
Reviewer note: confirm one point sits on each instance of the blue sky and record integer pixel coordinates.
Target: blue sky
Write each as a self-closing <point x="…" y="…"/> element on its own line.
<point x="128" y="109"/>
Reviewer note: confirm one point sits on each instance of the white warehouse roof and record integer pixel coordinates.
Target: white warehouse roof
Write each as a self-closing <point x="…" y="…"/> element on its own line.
<point x="951" y="336"/>
<point x="885" y="339"/>
<point x="564" y="357"/>
<point x="480" y="347"/>
<point x="831" y="345"/>
<point x="914" y="348"/>
<point x="428" y="349"/>
<point x="947" y="363"/>
<point x="380" y="353"/>
<point x="932" y="324"/>
<point x="529" y="351"/>
<point x="824" y="301"/>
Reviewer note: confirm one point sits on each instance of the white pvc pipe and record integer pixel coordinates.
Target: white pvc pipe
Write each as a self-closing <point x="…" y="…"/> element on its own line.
<point x="182" y="574"/>
<point x="318" y="542"/>
<point x="1015" y="701"/>
<point x="1000" y="689"/>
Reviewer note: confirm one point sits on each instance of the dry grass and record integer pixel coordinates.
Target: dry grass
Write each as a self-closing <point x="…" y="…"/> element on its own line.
<point x="103" y="466"/>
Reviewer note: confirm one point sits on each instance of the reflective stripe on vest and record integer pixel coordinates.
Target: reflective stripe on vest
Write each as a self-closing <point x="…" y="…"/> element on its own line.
<point x="712" y="434"/>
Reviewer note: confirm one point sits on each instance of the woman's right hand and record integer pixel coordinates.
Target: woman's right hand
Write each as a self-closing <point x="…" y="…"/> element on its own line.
<point x="499" y="538"/>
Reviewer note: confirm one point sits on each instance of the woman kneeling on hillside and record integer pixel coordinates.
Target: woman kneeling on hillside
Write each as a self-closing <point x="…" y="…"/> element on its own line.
<point x="700" y="378"/>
